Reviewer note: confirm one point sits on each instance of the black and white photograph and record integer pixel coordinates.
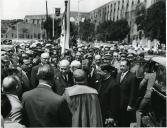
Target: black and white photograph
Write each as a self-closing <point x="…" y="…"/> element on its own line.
<point x="83" y="63"/>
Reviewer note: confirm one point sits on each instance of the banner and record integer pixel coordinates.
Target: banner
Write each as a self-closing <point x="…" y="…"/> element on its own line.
<point x="64" y="38"/>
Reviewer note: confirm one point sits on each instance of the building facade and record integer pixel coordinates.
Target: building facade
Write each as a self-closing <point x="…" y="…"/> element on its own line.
<point x="74" y="17"/>
<point x="23" y="30"/>
<point x="120" y="9"/>
<point x="111" y="11"/>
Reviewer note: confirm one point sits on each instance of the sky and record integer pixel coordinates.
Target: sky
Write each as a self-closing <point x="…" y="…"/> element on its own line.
<point x="17" y="9"/>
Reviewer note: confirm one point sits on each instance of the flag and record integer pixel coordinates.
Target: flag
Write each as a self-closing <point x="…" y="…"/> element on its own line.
<point x="64" y="40"/>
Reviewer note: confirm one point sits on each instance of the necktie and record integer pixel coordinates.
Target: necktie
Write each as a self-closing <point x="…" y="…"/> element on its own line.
<point x="65" y="78"/>
<point x="122" y="76"/>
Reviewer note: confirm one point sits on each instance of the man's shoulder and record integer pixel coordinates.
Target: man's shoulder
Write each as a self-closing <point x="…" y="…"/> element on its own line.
<point x="80" y="89"/>
<point x="36" y="67"/>
<point x="131" y="75"/>
<point x="57" y="72"/>
<point x="29" y="94"/>
<point x="49" y="94"/>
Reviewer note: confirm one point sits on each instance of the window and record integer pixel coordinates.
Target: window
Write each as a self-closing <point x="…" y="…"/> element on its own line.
<point x="12" y="35"/>
<point x="132" y="4"/>
<point x="118" y="3"/>
<point x="127" y="6"/>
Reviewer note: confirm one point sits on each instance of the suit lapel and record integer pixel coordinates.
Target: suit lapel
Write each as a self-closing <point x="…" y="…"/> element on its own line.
<point x="119" y="77"/>
<point x="125" y="77"/>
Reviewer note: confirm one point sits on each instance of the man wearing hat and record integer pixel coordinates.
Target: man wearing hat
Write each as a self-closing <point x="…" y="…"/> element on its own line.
<point x="123" y="55"/>
<point x="107" y="59"/>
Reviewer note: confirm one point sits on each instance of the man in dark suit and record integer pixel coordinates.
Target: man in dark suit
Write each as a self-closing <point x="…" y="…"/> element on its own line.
<point x="128" y="91"/>
<point x="44" y="60"/>
<point x="63" y="77"/>
<point x="42" y="107"/>
<point x="109" y="95"/>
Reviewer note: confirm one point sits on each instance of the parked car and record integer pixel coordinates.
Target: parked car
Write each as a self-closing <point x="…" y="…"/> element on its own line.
<point x="156" y="116"/>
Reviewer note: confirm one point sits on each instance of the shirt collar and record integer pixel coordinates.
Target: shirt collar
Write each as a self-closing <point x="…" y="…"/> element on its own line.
<point x="124" y="73"/>
<point x="45" y="85"/>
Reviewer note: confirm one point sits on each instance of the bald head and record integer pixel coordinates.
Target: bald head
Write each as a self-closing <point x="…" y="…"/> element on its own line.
<point x="45" y="54"/>
<point x="97" y="57"/>
<point x="80" y="76"/>
<point x="9" y="84"/>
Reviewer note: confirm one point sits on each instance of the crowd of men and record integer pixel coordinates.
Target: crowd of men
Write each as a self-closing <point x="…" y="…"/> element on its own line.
<point x="84" y="87"/>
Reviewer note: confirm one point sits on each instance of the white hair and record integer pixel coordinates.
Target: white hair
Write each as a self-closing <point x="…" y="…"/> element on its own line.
<point x="76" y="63"/>
<point x="64" y="63"/>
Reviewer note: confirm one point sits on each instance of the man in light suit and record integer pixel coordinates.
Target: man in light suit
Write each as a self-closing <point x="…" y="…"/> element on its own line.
<point x="42" y="107"/>
<point x="128" y="91"/>
<point x="10" y="86"/>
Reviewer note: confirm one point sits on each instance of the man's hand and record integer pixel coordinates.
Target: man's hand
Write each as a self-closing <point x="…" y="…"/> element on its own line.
<point x="129" y="108"/>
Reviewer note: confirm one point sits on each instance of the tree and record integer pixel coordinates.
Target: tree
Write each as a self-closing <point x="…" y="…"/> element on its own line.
<point x="112" y="31"/>
<point x="86" y="30"/>
<point x="152" y="21"/>
<point x="48" y="26"/>
<point x="73" y="29"/>
<point x="140" y="16"/>
<point x="155" y="25"/>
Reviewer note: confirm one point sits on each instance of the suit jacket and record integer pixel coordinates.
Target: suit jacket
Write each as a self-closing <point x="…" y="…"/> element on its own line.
<point x="128" y="90"/>
<point x="44" y="108"/>
<point x="16" y="112"/>
<point x="109" y="98"/>
<point x="94" y="79"/>
<point x="59" y="82"/>
<point x="34" y="79"/>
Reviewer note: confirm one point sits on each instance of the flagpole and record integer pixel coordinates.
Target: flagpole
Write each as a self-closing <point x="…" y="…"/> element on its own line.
<point x="17" y="31"/>
<point x="68" y="25"/>
<point x="46" y="19"/>
<point x="53" y="24"/>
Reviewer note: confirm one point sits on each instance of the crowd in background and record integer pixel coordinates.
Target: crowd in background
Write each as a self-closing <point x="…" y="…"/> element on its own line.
<point x="83" y="87"/>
